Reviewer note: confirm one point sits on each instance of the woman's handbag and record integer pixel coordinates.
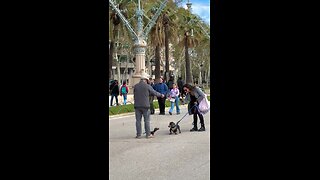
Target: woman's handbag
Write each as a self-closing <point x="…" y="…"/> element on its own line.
<point x="204" y="105"/>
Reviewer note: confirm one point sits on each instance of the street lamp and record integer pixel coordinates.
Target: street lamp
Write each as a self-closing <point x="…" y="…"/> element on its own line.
<point x="139" y="34"/>
<point x="189" y="5"/>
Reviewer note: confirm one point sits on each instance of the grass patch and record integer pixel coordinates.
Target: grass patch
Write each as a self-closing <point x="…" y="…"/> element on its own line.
<point x="114" y="110"/>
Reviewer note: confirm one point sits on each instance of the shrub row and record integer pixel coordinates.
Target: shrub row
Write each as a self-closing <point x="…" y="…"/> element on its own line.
<point x="113" y="110"/>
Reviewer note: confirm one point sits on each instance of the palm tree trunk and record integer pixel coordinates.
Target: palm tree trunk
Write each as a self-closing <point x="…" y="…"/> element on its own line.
<point x="188" y="70"/>
<point x="200" y="76"/>
<point x="166" y="42"/>
<point x="149" y="64"/>
<point x="165" y="21"/>
<point x="118" y="68"/>
<point x="208" y="76"/>
<point x="157" y="63"/>
<point x="110" y="58"/>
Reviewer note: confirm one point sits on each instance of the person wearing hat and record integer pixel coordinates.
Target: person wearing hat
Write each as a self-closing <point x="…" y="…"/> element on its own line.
<point x="141" y="93"/>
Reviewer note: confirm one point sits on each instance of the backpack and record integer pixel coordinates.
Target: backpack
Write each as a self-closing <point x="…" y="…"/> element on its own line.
<point x="123" y="90"/>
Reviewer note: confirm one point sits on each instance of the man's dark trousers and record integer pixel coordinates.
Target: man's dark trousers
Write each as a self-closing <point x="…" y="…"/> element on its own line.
<point x="151" y="104"/>
<point x="162" y="105"/>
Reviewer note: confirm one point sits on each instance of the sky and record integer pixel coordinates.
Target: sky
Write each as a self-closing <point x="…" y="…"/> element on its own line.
<point x="200" y="7"/>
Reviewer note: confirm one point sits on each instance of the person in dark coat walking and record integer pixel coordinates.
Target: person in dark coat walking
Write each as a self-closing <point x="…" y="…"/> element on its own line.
<point x="170" y="82"/>
<point x="180" y="84"/>
<point x="194" y="95"/>
<point x="141" y="93"/>
<point x="114" y="89"/>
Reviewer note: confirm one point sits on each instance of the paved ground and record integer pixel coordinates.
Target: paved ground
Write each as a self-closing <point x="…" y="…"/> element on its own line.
<point x="165" y="157"/>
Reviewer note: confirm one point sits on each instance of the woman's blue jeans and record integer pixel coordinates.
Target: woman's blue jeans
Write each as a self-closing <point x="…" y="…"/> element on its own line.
<point x="176" y="102"/>
<point x="124" y="99"/>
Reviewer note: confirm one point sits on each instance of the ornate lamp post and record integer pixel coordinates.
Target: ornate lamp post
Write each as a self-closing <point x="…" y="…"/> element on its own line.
<point x="187" y="35"/>
<point x="189" y="5"/>
<point x="139" y="36"/>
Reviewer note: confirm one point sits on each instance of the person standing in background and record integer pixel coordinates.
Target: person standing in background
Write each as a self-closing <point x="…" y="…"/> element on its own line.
<point x="180" y="84"/>
<point x="124" y="90"/>
<point x="174" y="99"/>
<point x="170" y="82"/>
<point x="151" y="97"/>
<point x="114" y="89"/>
<point x="163" y="89"/>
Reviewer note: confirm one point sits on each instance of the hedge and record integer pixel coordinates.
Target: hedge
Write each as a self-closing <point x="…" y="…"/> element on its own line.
<point x="114" y="110"/>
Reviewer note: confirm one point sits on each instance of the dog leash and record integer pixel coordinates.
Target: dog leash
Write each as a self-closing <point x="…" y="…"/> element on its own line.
<point x="185" y="114"/>
<point x="188" y="112"/>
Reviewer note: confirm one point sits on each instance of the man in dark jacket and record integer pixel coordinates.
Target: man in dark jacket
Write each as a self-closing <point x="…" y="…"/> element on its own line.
<point x="162" y="88"/>
<point x="151" y="98"/>
<point x="141" y="93"/>
<point x="114" y="89"/>
<point x="180" y="83"/>
<point x="170" y="82"/>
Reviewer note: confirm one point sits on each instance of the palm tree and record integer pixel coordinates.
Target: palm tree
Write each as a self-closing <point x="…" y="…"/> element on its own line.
<point x="169" y="16"/>
<point x="157" y="41"/>
<point x="192" y="37"/>
<point x="155" y="38"/>
<point x="165" y="20"/>
<point x="110" y="58"/>
<point x="201" y="50"/>
<point x="185" y="41"/>
<point x="115" y="33"/>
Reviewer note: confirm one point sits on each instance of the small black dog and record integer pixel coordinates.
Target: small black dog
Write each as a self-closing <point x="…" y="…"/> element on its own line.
<point x="154" y="131"/>
<point x="174" y="128"/>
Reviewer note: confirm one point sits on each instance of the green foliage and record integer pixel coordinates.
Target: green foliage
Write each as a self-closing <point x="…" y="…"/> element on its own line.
<point x="114" y="110"/>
